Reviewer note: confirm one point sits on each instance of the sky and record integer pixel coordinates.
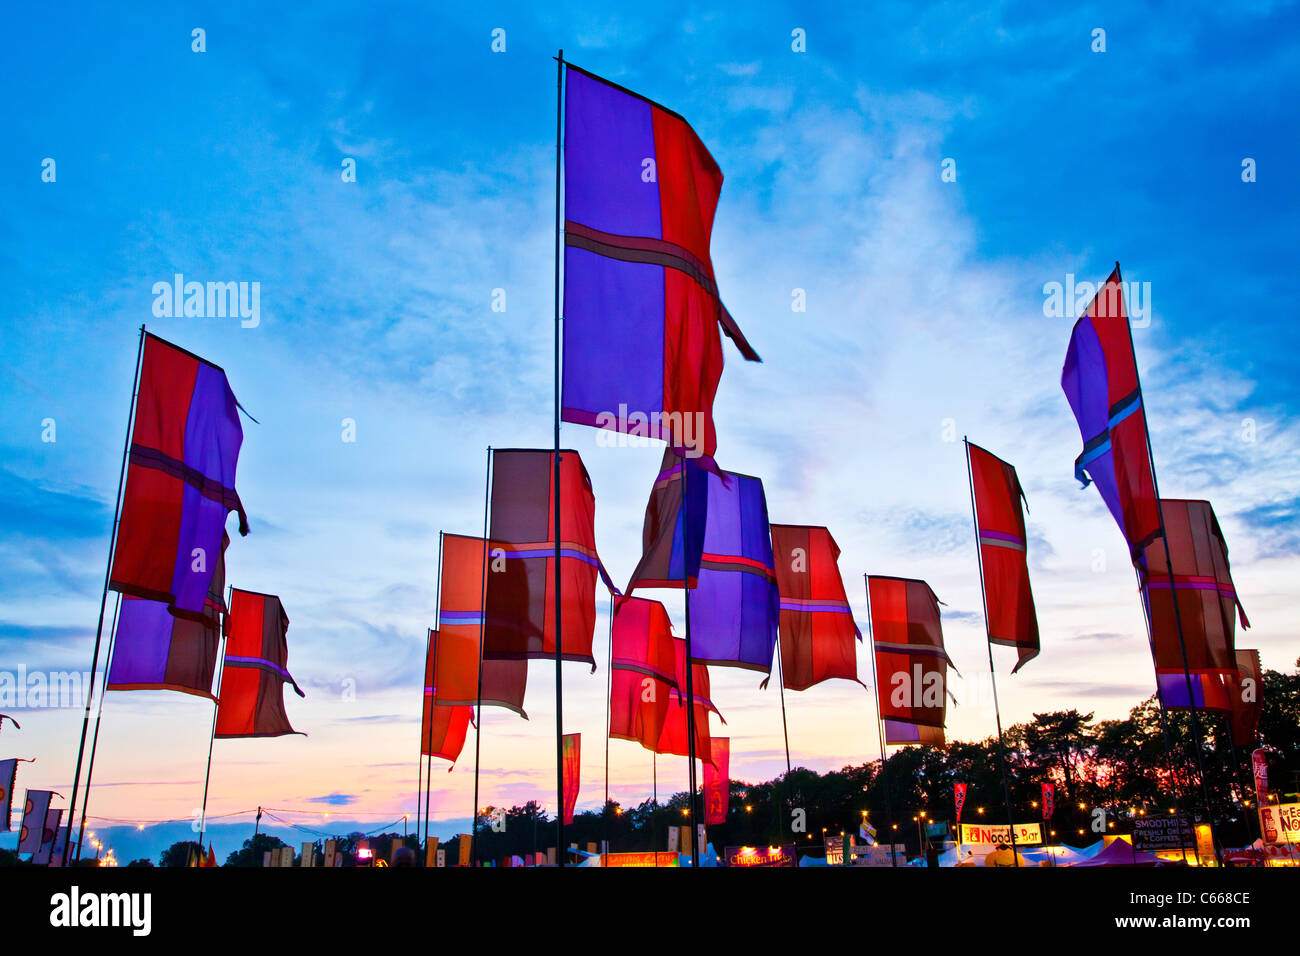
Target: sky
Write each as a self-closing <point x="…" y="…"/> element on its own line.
<point x="925" y="321"/>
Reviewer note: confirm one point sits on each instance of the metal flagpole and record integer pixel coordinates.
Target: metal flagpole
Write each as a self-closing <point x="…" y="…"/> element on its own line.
<point x="1173" y="587"/>
<point x="609" y="687"/>
<point x="988" y="641"/>
<point x="561" y="851"/>
<point x="94" y="740"/>
<point x="880" y="727"/>
<point x="221" y="672"/>
<point x="482" y="626"/>
<point x="780" y="675"/>
<point x="690" y="667"/>
<point x="654" y="804"/>
<point x="103" y="604"/>
<point x="433" y="696"/>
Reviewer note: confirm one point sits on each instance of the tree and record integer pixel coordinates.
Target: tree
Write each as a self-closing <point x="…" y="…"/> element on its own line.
<point x="250" y="854"/>
<point x="180" y="853"/>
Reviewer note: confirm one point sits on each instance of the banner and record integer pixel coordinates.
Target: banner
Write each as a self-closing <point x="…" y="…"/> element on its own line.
<point x="1027" y="834"/>
<point x="330" y="851"/>
<point x="761" y="856"/>
<point x="1259" y="767"/>
<point x="431" y="856"/>
<point x="1168" y="832"/>
<point x="641" y="859"/>
<point x="673" y="834"/>
<point x="717" y="784"/>
<point x="309" y="854"/>
<point x="1049" y="800"/>
<point x="959" y="797"/>
<point x="464" y="850"/>
<point x="1280" y="823"/>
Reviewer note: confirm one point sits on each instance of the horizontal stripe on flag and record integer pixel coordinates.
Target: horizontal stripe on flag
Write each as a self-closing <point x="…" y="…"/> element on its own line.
<point x="639" y="249"/>
<point x="794" y="604"/>
<point x="925" y="649"/>
<point x="452" y="618"/>
<point x="625" y="664"/>
<point x="735" y="562"/>
<point x="209" y="488"/>
<point x="1099" y="444"/>
<point x="258" y="662"/>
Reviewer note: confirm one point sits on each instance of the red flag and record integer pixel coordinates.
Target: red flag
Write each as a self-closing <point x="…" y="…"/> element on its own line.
<point x="520" y="622"/>
<point x="642" y="671"/>
<point x="212" y="857"/>
<point x="717" y="785"/>
<point x="816" y="625"/>
<point x="460" y="631"/>
<point x="911" y="663"/>
<point x="1049" y="800"/>
<point x="572" y="744"/>
<point x="674" y="737"/>
<point x="959" y="797"/>
<point x="1247" y="699"/>
<point x="1207" y="608"/>
<point x="442" y="727"/>
<point x="1008" y="600"/>
<point x="255" y="668"/>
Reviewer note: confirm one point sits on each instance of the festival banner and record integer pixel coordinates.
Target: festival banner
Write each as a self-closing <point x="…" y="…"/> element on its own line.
<point x="1163" y="832"/>
<point x="1027" y="834"/>
<point x="645" y="859"/>
<point x="959" y="798"/>
<point x="1259" y="769"/>
<point x="442" y="726"/>
<point x="33" y="825"/>
<point x="756" y="856"/>
<point x="1280" y="823"/>
<point x="571" y="745"/>
<point x="817" y="631"/>
<point x="911" y="663"/>
<point x="8" y="776"/>
<point x="255" y="668"/>
<point x="330" y="851"/>
<point x="642" y="671"/>
<point x="717" y="785"/>
<point x="464" y="849"/>
<point x="1247" y="699"/>
<point x="1049" y="800"/>
<point x="672" y="535"/>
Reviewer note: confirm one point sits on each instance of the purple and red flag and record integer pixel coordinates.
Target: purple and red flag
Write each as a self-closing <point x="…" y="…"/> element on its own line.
<point x="817" y="630"/>
<point x="643" y="671"/>
<point x="675" y="736"/>
<point x="571" y="745"/>
<point x="1100" y="380"/>
<point x="1000" y="519"/>
<point x="32" y="832"/>
<point x="1207" y="608"/>
<point x="911" y="663"/>
<point x="1247" y="700"/>
<point x="180" y="481"/>
<point x="735" y="607"/>
<point x="717" y="783"/>
<point x="255" y="668"/>
<point x="520" y="620"/>
<point x="49" y="837"/>
<point x="642" y="351"/>
<point x="442" y="726"/>
<point x="672" y="537"/>
<point x="155" y="649"/>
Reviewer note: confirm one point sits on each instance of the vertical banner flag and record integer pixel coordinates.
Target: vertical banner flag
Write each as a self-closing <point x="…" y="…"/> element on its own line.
<point x="959" y="798"/>
<point x="59" y="848"/>
<point x="442" y="726"/>
<point x="255" y="668"/>
<point x="8" y="776"/>
<point x="1258" y="768"/>
<point x="911" y="663"/>
<point x="717" y="783"/>
<point x="1207" y="607"/>
<point x="672" y="537"/>
<point x="674" y="737"/>
<point x="1008" y="599"/>
<point x="643" y="671"/>
<point x="156" y="648"/>
<point x="816" y="623"/>
<point x="180" y="482"/>
<point x="642" y="352"/>
<point x="1049" y="800"/>
<point x="735" y="607"/>
<point x="49" y="835"/>
<point x="520" y="620"/>
<point x="33" y="825"/>
<point x="1247" y="700"/>
<point x="572" y="747"/>
<point x="1100" y="380"/>
<point x="460" y="632"/>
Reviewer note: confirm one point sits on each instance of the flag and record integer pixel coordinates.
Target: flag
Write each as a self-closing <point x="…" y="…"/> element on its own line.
<point x="643" y="671"/>
<point x="642" y="352"/>
<point x="717" y="784"/>
<point x="1008" y="599"/>
<point x="442" y="727"/>
<point x="180" y="480"/>
<point x="33" y="826"/>
<point x="672" y="537"/>
<point x="8" y="776"/>
<point x="959" y="797"/>
<point x="1100" y="380"/>
<point x="911" y="663"/>
<point x="212" y="857"/>
<point x="572" y="747"/>
<point x="157" y="649"/>
<point x="1049" y="800"/>
<point x="1207" y="608"/>
<point x="59" y="848"/>
<point x="460" y="632"/>
<point x="49" y="836"/>
<point x="816" y="623"/>
<point x="1247" y="700"/>
<point x="867" y="832"/>
<point x="255" y="668"/>
<point x="735" y="607"/>
<point x="520" y="621"/>
<point x="674" y="737"/>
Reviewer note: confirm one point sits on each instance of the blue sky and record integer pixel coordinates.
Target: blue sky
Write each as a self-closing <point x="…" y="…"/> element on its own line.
<point x="925" y="304"/>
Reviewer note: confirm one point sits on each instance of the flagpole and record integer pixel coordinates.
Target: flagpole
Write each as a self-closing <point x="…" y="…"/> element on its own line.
<point x="654" y="804"/>
<point x="609" y="688"/>
<point x="1173" y="587"/>
<point x="561" y="850"/>
<point x="419" y="766"/>
<point x="433" y="697"/>
<point x="94" y="740"/>
<point x="880" y="728"/>
<point x="785" y="730"/>
<point x="988" y="641"/>
<point x="216" y="704"/>
<point x="690" y="663"/>
<point x="482" y="627"/>
<point x="103" y="604"/>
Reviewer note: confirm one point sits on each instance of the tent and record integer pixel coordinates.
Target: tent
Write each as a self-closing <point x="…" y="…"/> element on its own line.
<point x="1121" y="853"/>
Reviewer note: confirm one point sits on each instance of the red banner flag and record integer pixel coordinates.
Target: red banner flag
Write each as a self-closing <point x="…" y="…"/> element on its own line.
<point x="520" y="622"/>
<point x="254" y="672"/>
<point x="442" y="727"/>
<point x="1207" y="608"/>
<point x="674" y="737"/>
<point x="642" y="671"/>
<point x="460" y="631"/>
<point x="1248" y="699"/>
<point x="572" y="744"/>
<point x="717" y="783"/>
<point x="816" y="624"/>
<point x="1000" y="520"/>
<point x="911" y="663"/>
<point x="959" y="797"/>
<point x="1049" y="800"/>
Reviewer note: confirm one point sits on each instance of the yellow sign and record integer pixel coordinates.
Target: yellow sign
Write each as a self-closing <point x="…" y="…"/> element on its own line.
<point x="1280" y="823"/>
